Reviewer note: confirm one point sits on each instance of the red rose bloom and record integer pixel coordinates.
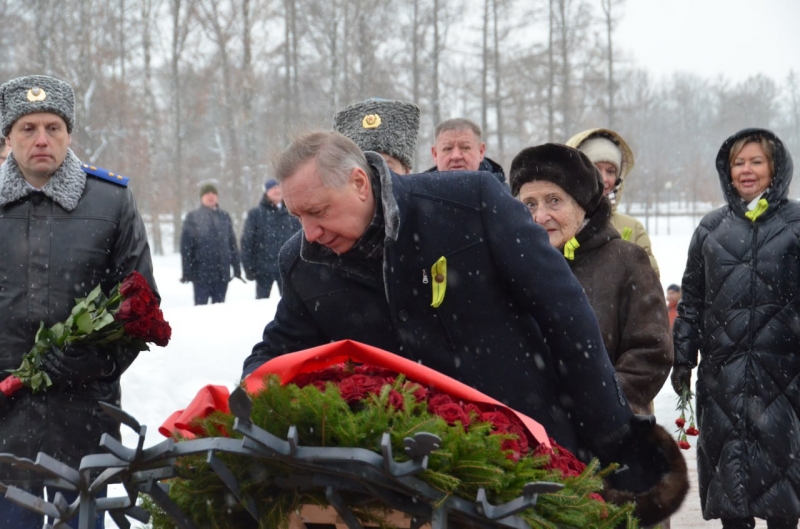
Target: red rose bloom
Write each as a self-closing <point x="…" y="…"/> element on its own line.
<point x="131" y="308"/>
<point x="356" y="387"/>
<point x="365" y="369"/>
<point x="333" y="373"/>
<point x="680" y="422"/>
<point x="139" y="328"/>
<point x="522" y="438"/>
<point x="133" y="282"/>
<point x="472" y="410"/>
<point x="513" y="449"/>
<point x="452" y="413"/>
<point x="396" y="400"/>
<point x="420" y="393"/>
<point x="692" y="431"/>
<point x="684" y="445"/>
<point x="162" y="332"/>
<point x="498" y="419"/>
<point x="438" y="400"/>
<point x="351" y="392"/>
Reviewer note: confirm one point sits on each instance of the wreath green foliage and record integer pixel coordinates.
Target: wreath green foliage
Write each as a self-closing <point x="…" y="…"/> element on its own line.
<point x="467" y="460"/>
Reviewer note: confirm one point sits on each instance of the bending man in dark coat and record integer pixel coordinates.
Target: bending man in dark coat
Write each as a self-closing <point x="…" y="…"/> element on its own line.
<point x="208" y="249"/>
<point x="362" y="269"/>
<point x="266" y="229"/>
<point x="740" y="309"/>
<point x="65" y="227"/>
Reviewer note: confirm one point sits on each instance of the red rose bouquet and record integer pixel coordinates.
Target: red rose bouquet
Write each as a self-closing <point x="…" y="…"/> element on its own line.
<point x="129" y="313"/>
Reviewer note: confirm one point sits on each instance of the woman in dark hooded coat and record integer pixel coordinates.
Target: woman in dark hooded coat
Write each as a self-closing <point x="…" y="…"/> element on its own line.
<point x="741" y="310"/>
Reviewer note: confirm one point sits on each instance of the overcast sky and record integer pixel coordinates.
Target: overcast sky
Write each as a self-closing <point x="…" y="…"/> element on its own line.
<point x="734" y="38"/>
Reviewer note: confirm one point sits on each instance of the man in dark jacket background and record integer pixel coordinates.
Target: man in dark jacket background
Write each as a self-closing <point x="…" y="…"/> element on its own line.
<point x="458" y="146"/>
<point x="208" y="249"/>
<point x="266" y="229"/>
<point x="448" y="270"/>
<point x="65" y="227"/>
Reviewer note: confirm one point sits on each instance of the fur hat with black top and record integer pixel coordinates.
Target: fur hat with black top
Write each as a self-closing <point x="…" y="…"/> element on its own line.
<point x="35" y="93"/>
<point x="382" y="125"/>
<point x="564" y="166"/>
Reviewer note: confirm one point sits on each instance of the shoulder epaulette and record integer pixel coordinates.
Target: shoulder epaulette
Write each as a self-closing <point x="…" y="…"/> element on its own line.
<point x="105" y="174"/>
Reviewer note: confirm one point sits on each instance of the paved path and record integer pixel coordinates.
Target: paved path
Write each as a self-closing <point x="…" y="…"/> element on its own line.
<point x="690" y="515"/>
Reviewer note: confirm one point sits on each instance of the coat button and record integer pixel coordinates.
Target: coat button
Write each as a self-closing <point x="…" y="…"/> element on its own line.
<point x="403" y="315"/>
<point x="439" y="278"/>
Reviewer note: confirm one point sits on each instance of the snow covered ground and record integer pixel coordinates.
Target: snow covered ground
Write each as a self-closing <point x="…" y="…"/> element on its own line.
<point x="209" y="344"/>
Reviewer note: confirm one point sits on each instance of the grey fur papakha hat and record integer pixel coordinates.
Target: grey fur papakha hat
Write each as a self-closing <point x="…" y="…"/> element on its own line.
<point x="382" y="125"/>
<point x="35" y="93"/>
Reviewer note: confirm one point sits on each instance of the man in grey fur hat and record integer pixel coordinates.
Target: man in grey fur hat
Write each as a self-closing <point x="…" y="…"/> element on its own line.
<point x="65" y="227"/>
<point x="385" y="126"/>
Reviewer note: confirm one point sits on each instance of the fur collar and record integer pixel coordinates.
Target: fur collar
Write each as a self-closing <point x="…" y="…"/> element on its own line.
<point x="316" y="253"/>
<point x="65" y="187"/>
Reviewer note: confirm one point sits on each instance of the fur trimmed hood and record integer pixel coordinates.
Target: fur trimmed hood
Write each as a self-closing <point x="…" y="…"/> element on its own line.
<point x="65" y="186"/>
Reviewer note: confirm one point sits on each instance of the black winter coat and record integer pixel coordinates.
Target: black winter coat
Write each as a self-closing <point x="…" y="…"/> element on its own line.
<point x="741" y="309"/>
<point x="208" y="246"/>
<point x="54" y="247"/>
<point x="488" y="165"/>
<point x="506" y="291"/>
<point x="266" y="230"/>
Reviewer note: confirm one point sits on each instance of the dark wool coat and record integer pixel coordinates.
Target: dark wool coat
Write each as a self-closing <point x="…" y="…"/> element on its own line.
<point x="488" y="165"/>
<point x="741" y="309"/>
<point x="55" y="246"/>
<point x="208" y="246"/>
<point x="266" y="229"/>
<point x="507" y="290"/>
<point x="626" y="296"/>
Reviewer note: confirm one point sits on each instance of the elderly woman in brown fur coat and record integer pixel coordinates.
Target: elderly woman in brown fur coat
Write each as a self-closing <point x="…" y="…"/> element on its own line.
<point x="564" y="193"/>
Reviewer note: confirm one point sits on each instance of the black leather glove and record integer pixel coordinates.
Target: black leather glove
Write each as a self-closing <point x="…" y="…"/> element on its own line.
<point x="641" y="462"/>
<point x="78" y="363"/>
<point x="681" y="377"/>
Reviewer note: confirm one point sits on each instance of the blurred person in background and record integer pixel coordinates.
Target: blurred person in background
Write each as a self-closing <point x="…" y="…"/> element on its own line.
<point x="208" y="249"/>
<point x="267" y="228"/>
<point x="614" y="159"/>
<point x="673" y="297"/>
<point x="740" y="309"/>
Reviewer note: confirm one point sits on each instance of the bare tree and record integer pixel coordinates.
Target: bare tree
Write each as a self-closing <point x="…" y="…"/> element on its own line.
<point x="181" y="18"/>
<point x="148" y="10"/>
<point x="609" y="23"/>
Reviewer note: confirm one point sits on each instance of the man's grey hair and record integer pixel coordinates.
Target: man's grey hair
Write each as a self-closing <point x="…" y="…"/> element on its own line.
<point x="457" y="124"/>
<point x="335" y="154"/>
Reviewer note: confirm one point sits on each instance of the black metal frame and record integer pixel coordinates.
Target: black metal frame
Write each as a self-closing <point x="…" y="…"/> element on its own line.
<point x="356" y="471"/>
